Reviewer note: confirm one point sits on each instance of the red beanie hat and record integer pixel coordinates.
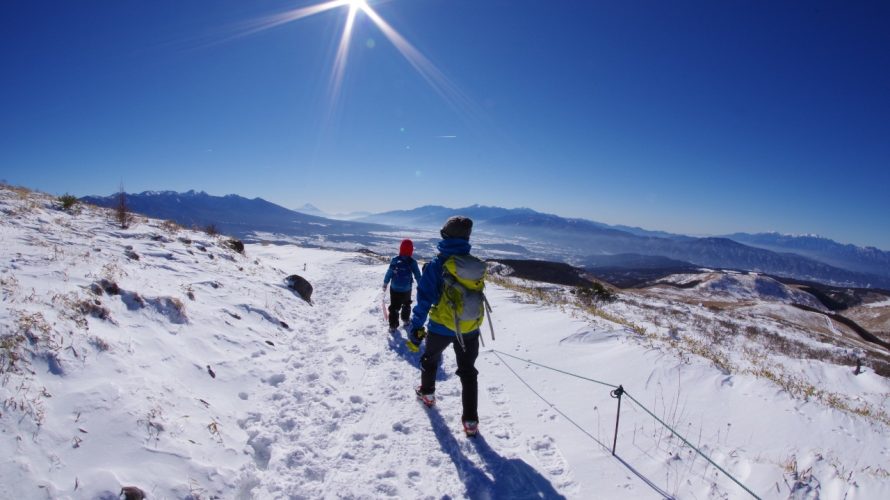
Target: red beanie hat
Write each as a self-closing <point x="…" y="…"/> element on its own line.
<point x="406" y="248"/>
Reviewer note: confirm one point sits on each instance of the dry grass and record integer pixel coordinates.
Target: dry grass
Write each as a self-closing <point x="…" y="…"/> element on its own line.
<point x="715" y="339"/>
<point x="31" y="336"/>
<point x="11" y="354"/>
<point x="28" y="200"/>
<point x="22" y="192"/>
<point x="171" y="227"/>
<point x="153" y="423"/>
<point x="34" y="327"/>
<point x="9" y="285"/>
<point x="68" y="307"/>
<point x="546" y="296"/>
<point x="99" y="344"/>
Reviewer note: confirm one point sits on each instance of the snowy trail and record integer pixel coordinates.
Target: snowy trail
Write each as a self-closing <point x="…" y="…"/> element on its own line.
<point x="337" y="407"/>
<point x="362" y="433"/>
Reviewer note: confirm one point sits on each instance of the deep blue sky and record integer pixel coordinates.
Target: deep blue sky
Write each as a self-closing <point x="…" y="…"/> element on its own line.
<point x="703" y="117"/>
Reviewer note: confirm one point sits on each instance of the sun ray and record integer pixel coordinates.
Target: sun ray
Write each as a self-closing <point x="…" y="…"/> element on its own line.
<point x="264" y="23"/>
<point x="433" y="76"/>
<point x="343" y="52"/>
<point x="439" y="82"/>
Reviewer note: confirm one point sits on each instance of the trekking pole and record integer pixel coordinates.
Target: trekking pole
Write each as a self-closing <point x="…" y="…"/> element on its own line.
<point x="488" y="310"/>
<point x="616" y="394"/>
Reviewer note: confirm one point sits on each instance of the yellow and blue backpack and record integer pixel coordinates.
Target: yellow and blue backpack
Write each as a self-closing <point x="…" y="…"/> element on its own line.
<point x="462" y="303"/>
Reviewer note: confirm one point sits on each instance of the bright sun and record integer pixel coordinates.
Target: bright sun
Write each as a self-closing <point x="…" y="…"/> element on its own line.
<point x="418" y="61"/>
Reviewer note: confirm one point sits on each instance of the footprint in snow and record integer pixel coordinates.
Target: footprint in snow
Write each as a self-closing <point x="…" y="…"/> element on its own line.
<point x="548" y="455"/>
<point x="497" y="395"/>
<point x="401" y="427"/>
<point x="261" y="449"/>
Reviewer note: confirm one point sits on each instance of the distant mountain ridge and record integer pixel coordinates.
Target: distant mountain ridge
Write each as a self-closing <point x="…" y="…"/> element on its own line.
<point x="863" y="259"/>
<point x="538" y="235"/>
<point x="231" y="214"/>
<point x="584" y="242"/>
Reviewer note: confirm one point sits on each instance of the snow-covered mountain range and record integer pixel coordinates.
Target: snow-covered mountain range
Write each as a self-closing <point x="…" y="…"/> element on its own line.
<point x="585" y="243"/>
<point x="163" y="358"/>
<point x="232" y="214"/>
<point x="527" y="234"/>
<point x="863" y="259"/>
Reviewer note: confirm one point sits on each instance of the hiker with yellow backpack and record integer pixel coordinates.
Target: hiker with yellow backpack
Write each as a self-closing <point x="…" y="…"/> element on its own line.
<point x="450" y="292"/>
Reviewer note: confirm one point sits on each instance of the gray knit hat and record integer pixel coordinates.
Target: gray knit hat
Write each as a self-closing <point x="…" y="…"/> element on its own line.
<point x="457" y="227"/>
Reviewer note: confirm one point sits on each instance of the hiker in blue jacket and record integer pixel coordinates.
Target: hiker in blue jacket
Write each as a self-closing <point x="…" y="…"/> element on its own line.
<point x="402" y="271"/>
<point x="446" y="325"/>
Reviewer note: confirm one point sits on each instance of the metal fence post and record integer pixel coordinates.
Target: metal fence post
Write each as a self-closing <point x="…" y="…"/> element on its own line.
<point x="617" y="394"/>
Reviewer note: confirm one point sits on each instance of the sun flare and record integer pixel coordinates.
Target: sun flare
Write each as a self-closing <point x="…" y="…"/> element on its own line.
<point x="427" y="70"/>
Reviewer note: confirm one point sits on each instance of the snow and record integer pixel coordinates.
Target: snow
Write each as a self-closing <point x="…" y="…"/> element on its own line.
<point x="316" y="400"/>
<point x="738" y="287"/>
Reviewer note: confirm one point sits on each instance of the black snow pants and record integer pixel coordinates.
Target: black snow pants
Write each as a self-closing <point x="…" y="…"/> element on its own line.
<point x="399" y="303"/>
<point x="466" y="369"/>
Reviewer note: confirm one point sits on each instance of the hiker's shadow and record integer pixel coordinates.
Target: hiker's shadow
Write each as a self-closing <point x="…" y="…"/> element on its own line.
<point x="497" y="477"/>
<point x="397" y="345"/>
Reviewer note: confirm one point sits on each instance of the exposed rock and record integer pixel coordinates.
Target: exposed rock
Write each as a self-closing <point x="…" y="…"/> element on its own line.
<point x="132" y="493"/>
<point x="235" y="245"/>
<point x="301" y="286"/>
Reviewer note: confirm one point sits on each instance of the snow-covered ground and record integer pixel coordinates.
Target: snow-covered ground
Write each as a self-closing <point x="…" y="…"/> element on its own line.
<point x="192" y="371"/>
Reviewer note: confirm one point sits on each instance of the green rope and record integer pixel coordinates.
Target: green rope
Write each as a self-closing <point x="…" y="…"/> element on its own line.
<point x="727" y="474"/>
<point x="660" y="421"/>
<point x="536" y="393"/>
<point x="554" y="369"/>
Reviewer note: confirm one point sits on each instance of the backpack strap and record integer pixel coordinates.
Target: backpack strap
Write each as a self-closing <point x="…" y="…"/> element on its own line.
<point x="453" y="282"/>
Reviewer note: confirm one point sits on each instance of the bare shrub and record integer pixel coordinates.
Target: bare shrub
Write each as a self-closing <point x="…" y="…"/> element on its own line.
<point x="122" y="213"/>
<point x="211" y="229"/>
<point x="595" y="294"/>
